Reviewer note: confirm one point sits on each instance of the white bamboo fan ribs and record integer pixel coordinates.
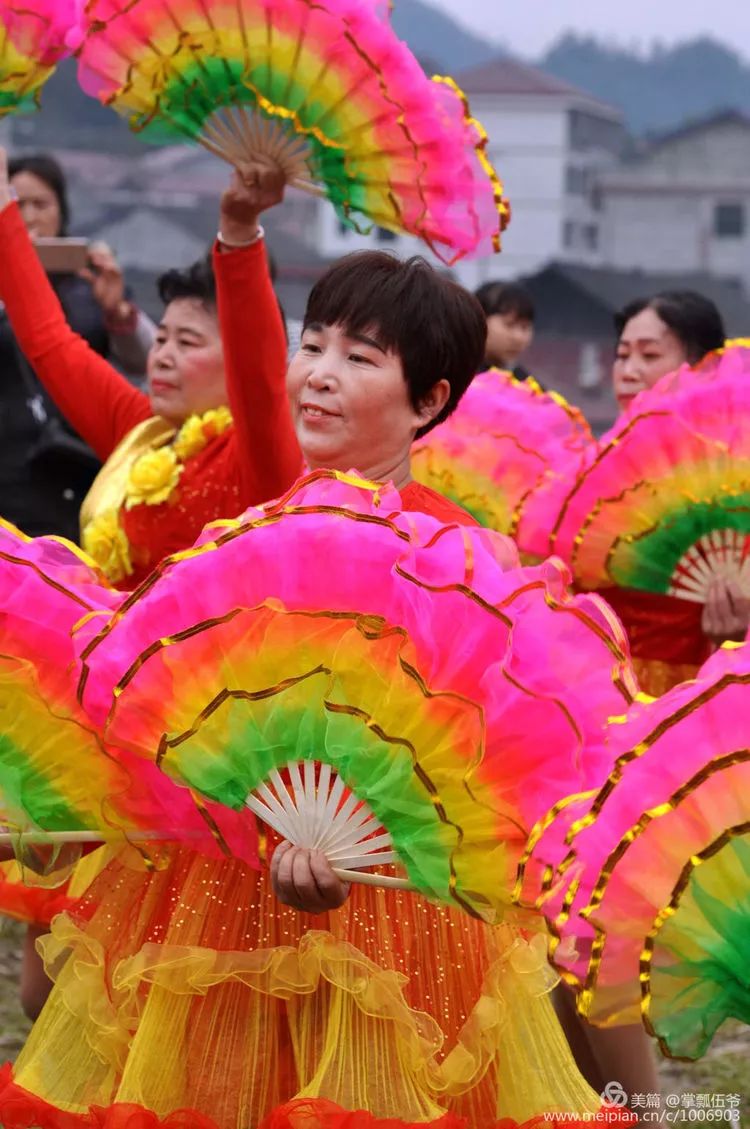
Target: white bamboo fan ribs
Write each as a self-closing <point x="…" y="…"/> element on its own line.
<point x="239" y="136"/>
<point x="313" y="808"/>
<point x="723" y="553"/>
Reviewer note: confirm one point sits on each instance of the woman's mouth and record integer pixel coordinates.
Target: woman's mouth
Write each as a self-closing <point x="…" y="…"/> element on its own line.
<point x="312" y="411"/>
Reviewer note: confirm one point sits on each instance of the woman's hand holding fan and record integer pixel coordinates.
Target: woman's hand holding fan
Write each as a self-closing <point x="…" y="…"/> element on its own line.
<point x="305" y="880"/>
<point x="726" y="612"/>
<point x="255" y="187"/>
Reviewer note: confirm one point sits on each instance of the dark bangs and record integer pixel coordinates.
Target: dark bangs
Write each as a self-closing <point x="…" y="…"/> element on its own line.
<point x="436" y="328"/>
<point x="196" y="281"/>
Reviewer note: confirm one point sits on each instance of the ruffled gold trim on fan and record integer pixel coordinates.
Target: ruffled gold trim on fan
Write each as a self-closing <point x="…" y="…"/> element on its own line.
<point x="607" y="999"/>
<point x="480" y="147"/>
<point x="668" y="910"/>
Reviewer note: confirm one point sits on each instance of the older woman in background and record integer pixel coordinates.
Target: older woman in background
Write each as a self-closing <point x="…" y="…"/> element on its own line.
<point x="669" y="637"/>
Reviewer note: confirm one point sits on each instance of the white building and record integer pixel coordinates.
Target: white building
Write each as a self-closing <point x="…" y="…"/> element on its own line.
<point x="549" y="142"/>
<point x="684" y="203"/>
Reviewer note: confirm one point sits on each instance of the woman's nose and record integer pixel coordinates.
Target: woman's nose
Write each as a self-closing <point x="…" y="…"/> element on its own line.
<point x="628" y="371"/>
<point x="162" y="355"/>
<point x="320" y="375"/>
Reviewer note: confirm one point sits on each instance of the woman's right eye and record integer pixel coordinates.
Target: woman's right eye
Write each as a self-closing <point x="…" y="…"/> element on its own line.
<point x="310" y="347"/>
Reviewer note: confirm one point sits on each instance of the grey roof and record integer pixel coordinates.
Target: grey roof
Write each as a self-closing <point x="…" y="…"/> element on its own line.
<point x="147" y="240"/>
<point x="695" y="126"/>
<point x="509" y="76"/>
<point x="613" y="289"/>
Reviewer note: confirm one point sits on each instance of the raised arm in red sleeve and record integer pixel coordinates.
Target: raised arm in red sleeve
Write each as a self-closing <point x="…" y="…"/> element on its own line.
<point x="95" y="399"/>
<point x="268" y="455"/>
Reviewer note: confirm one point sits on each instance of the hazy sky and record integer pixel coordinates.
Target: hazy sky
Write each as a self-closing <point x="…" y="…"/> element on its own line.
<point x="529" y="27"/>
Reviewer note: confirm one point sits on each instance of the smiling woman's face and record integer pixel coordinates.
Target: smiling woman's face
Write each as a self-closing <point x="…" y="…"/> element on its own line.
<point x="350" y="402"/>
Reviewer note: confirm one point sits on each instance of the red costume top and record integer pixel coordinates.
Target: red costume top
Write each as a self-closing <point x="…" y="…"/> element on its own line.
<point x="667" y="643"/>
<point x="250" y="462"/>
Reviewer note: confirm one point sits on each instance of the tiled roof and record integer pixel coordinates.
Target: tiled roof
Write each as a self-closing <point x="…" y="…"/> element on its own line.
<point x="613" y="289"/>
<point x="508" y="76"/>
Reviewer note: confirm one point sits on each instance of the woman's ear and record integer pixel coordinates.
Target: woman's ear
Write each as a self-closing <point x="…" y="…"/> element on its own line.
<point x="432" y="404"/>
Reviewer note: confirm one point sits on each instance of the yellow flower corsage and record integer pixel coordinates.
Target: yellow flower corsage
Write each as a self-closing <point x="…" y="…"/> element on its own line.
<point x="197" y="431"/>
<point x="153" y="476"/>
<point x="104" y="540"/>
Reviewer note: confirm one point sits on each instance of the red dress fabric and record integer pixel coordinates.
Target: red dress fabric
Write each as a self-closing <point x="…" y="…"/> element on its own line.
<point x="667" y="643"/>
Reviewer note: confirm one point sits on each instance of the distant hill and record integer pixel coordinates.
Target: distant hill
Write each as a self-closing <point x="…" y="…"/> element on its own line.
<point x="437" y="39"/>
<point x="660" y="91"/>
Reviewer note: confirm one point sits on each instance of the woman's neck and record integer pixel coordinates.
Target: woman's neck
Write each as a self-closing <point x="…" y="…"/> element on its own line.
<point x="399" y="473"/>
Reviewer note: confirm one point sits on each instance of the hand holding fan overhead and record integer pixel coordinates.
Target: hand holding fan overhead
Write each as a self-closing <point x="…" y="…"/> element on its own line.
<point x="325" y="90"/>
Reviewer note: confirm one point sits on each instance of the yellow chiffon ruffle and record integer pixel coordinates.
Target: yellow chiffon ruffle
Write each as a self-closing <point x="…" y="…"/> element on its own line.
<point x="190" y="987"/>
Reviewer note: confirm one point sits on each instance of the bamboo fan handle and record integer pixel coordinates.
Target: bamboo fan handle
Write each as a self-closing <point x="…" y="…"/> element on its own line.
<point x="367" y="878"/>
<point x="50" y="838"/>
<point x="319" y="814"/>
<point x="234" y="135"/>
<point x="310" y="187"/>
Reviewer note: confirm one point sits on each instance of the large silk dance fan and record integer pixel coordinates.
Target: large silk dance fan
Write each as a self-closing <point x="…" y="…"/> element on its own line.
<point x="665" y="504"/>
<point x="369" y="682"/>
<point x="505" y="440"/>
<point x="326" y="91"/>
<point x="647" y="884"/>
<point x="58" y="781"/>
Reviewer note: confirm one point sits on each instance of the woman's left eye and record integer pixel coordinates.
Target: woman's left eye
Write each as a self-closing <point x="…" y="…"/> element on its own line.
<point x="359" y="358"/>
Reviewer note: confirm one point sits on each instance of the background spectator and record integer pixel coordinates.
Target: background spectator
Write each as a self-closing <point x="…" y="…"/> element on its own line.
<point x="509" y="310"/>
<point x="45" y="469"/>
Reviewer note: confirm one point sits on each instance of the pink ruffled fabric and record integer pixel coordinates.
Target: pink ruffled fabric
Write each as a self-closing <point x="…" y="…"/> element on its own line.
<point x="638" y="875"/>
<point x="502" y="451"/>
<point x="46" y="31"/>
<point x="50" y="595"/>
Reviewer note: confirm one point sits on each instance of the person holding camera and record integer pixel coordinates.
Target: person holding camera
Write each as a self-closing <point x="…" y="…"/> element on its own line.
<point x="46" y="469"/>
